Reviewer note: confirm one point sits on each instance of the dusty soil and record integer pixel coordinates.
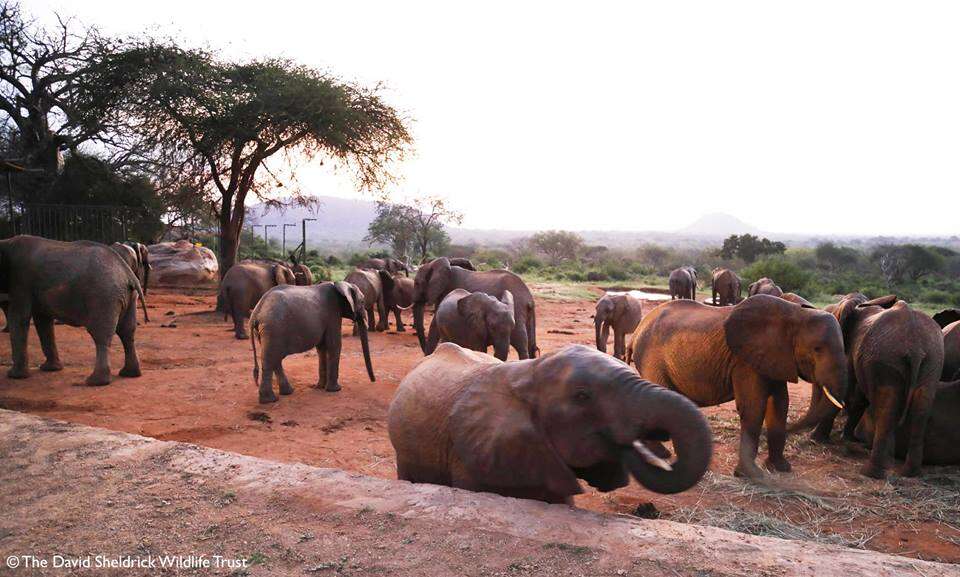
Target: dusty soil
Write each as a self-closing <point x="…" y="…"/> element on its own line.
<point x="197" y="387"/>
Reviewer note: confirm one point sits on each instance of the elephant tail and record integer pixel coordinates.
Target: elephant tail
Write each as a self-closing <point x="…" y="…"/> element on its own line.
<point x="915" y="361"/>
<point x="254" y="334"/>
<point x="532" y="331"/>
<point x="143" y="299"/>
<point x="224" y="299"/>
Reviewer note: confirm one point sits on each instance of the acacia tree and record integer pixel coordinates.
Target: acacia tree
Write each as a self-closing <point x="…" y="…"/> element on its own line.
<point x="44" y="90"/>
<point x="244" y="126"/>
<point x="418" y="225"/>
<point x="557" y="245"/>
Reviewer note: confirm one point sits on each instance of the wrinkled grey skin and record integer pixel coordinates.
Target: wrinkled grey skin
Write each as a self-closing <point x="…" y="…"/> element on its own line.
<point x="620" y="312"/>
<point x="137" y="258"/>
<point x="474" y="321"/>
<point x="764" y="286"/>
<point x="435" y="280"/>
<point x="531" y="428"/>
<point x="726" y="287"/>
<point x="895" y="357"/>
<point x="459" y="261"/>
<point x="941" y="443"/>
<point x="399" y="299"/>
<point x="391" y="265"/>
<point x="302" y="274"/>
<point x="244" y="284"/>
<point x="82" y="284"/>
<point x="683" y="283"/>
<point x="951" y="352"/>
<point x="374" y="284"/>
<point x="294" y="319"/>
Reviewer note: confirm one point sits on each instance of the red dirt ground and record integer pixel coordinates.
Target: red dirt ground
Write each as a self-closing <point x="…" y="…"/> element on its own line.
<point x="197" y="387"/>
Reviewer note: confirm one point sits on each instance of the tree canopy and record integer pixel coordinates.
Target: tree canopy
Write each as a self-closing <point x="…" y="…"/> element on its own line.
<point x="557" y="245"/>
<point x="417" y="226"/>
<point x="750" y="247"/>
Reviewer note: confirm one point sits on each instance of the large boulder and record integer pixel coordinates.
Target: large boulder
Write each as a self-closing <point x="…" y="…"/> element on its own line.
<point x="182" y="263"/>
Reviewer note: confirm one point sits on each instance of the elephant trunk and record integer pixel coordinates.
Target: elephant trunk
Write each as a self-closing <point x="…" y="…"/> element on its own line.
<point x="365" y="344"/>
<point x="602" y="333"/>
<point x="826" y="397"/>
<point x="663" y="413"/>
<point x="501" y="347"/>
<point x="418" y="324"/>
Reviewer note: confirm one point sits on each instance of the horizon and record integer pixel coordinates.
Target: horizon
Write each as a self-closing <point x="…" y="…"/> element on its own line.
<point x="841" y="109"/>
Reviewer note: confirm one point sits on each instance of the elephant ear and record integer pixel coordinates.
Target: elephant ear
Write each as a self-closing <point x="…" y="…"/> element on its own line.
<point x="752" y="289"/>
<point x="498" y="443"/>
<point x="438" y="279"/>
<point x="472" y="308"/>
<point x="351" y="305"/>
<point x="279" y="274"/>
<point x="882" y="302"/>
<point x="761" y="331"/>
<point x="798" y="300"/>
<point x="386" y="279"/>
<point x="507" y="299"/>
<point x="845" y="309"/>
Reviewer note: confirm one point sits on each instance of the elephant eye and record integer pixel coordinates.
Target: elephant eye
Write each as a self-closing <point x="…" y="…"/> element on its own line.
<point x="582" y="396"/>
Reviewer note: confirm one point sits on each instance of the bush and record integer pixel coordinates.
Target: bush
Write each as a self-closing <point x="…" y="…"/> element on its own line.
<point x="935" y="296"/>
<point x="321" y="273"/>
<point x="787" y="275"/>
<point x="527" y="264"/>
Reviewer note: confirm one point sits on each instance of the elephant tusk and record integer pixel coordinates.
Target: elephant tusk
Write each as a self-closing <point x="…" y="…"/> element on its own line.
<point x="404" y="308"/>
<point x="649" y="457"/>
<point x="831" y="397"/>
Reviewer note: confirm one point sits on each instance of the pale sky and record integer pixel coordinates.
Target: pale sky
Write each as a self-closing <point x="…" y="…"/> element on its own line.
<point x="820" y="116"/>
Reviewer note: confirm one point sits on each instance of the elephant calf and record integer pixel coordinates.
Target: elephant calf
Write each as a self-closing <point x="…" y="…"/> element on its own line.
<point x="474" y="321"/>
<point x="294" y="319"/>
<point x="622" y="312"/>
<point x="399" y="298"/>
<point x="374" y="284"/>
<point x="137" y="258"/>
<point x="725" y="286"/>
<point x="683" y="283"/>
<point x="244" y="284"/>
<point x="764" y="286"/>
<point x="531" y="428"/>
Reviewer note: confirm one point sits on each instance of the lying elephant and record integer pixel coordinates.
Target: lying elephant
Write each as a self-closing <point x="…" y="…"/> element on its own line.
<point x="895" y="355"/>
<point x="621" y="312"/>
<point x="244" y="284"/>
<point x="531" y="428"/>
<point x="941" y="441"/>
<point x="474" y="321"/>
<point x="295" y="319"/>
<point x="747" y="353"/>
<point x="82" y="284"/>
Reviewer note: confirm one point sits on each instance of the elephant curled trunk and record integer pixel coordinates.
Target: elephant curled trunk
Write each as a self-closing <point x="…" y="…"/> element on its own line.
<point x="663" y="413"/>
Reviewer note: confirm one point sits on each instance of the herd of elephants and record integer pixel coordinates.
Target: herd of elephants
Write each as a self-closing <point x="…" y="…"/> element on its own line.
<point x="533" y="428"/>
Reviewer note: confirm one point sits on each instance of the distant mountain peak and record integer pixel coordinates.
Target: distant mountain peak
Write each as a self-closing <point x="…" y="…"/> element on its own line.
<point x="718" y="224"/>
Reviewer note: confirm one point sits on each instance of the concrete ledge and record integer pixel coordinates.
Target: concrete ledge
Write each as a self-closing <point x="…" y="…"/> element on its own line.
<point x="70" y="488"/>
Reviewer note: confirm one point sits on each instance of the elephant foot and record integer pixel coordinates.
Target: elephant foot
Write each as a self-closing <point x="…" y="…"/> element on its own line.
<point x="98" y="380"/>
<point x="18" y="373"/>
<point x="286" y="389"/>
<point x="130" y="372"/>
<point x="400" y="329"/>
<point x="333" y="388"/>
<point x="51" y="366"/>
<point x="268" y="397"/>
<point x="751" y="471"/>
<point x="873" y="471"/>
<point x="821" y="438"/>
<point x="909" y="470"/>
<point x="242" y="336"/>
<point x="780" y="465"/>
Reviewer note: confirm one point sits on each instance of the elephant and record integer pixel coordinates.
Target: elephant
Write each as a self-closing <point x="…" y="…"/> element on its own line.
<point x="725" y="284"/>
<point x="474" y="321"/>
<point x="391" y="265"/>
<point x="82" y="284"/>
<point x="374" y="284"/>
<point x="797" y="299"/>
<point x="764" y="286"/>
<point x="941" y="443"/>
<point x="531" y="428"/>
<point x="745" y="353"/>
<point x="439" y="277"/>
<point x="946" y="317"/>
<point x="244" y="284"/>
<point x="459" y="261"/>
<point x="683" y="283"/>
<point x="137" y="258"/>
<point x="302" y="274"/>
<point x="400" y="298"/>
<point x="951" y="352"/>
<point x="293" y="319"/>
<point x="622" y="312"/>
<point x="895" y="358"/>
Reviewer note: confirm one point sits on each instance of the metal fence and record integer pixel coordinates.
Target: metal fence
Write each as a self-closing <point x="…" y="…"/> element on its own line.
<point x="104" y="224"/>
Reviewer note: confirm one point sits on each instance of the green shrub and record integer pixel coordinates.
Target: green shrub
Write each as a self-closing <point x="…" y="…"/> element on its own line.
<point x="787" y="275"/>
<point x="935" y="296"/>
<point x="321" y="273"/>
<point x="527" y="263"/>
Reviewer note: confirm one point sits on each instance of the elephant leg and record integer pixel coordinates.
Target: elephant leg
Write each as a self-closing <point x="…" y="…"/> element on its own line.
<point x="19" y="323"/>
<point x="856" y="406"/>
<point x="519" y="339"/>
<point x="48" y="343"/>
<point x="102" y="337"/>
<point x="371" y="321"/>
<point x="332" y="363"/>
<point x="883" y="409"/>
<point x="268" y="368"/>
<point x="285" y="388"/>
<point x="240" y="314"/>
<point x="920" y="408"/>
<point x="384" y="324"/>
<point x="619" y="347"/>
<point x="396" y="316"/>
<point x="126" y="330"/>
<point x="433" y="336"/>
<point x="776" y="421"/>
<point x="321" y="367"/>
<point x="751" y="399"/>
